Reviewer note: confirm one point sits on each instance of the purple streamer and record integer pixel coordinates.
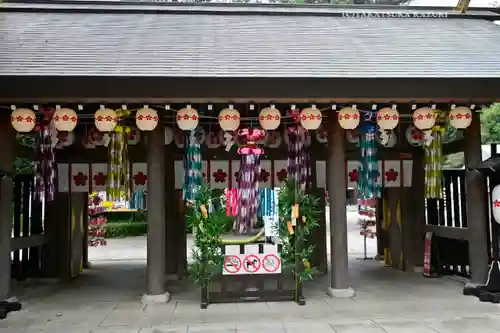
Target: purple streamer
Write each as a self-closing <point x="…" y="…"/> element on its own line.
<point x="299" y="161"/>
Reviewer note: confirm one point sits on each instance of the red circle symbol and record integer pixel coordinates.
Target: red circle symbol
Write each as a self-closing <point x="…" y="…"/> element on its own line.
<point x="251" y="264"/>
<point x="271" y="263"/>
<point x="232" y="264"/>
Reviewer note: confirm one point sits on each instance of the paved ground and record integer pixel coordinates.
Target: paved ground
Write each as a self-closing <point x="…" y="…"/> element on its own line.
<point x="107" y="299"/>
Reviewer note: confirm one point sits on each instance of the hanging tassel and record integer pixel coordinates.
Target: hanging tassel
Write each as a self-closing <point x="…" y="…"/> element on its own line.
<point x="368" y="173"/>
<point x="193" y="177"/>
<point x="433" y="166"/>
<point x="248" y="180"/>
<point x="45" y="174"/>
<point x="229" y="194"/>
<point x="118" y="167"/>
<point x="298" y="157"/>
<point x="234" y="205"/>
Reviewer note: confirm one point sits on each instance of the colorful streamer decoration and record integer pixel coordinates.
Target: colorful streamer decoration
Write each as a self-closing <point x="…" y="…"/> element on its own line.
<point x="248" y="181"/>
<point x="368" y="186"/>
<point x="231" y="202"/>
<point x="192" y="165"/>
<point x="45" y="175"/>
<point x="299" y="161"/>
<point x="118" y="166"/>
<point x="433" y="166"/>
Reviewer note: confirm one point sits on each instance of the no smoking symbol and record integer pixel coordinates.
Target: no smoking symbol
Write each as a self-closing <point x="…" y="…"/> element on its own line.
<point x="232" y="264"/>
<point x="271" y="263"/>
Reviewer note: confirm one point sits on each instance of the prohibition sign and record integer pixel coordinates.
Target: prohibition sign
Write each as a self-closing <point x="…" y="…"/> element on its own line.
<point x="232" y="264"/>
<point x="271" y="263"/>
<point x="251" y="264"/>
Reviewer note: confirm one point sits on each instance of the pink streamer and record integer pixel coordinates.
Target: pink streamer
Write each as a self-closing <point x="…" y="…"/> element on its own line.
<point x="231" y="201"/>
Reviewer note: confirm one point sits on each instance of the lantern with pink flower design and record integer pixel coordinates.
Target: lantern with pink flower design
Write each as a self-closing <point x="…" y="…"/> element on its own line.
<point x="348" y="118"/>
<point x="229" y="119"/>
<point x="23" y="120"/>
<point x="105" y="119"/>
<point x="270" y="118"/>
<point x="187" y="119"/>
<point x="424" y="118"/>
<point x="387" y="118"/>
<point x="310" y="118"/>
<point x="460" y="117"/>
<point x="65" y="119"/>
<point x="146" y="119"/>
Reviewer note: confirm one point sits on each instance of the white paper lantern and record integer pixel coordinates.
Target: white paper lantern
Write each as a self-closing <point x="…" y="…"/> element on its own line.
<point x="229" y="119"/>
<point x="310" y="118"/>
<point x="187" y="119"/>
<point x="146" y="119"/>
<point x="105" y="120"/>
<point x="387" y="118"/>
<point x="495" y="203"/>
<point x="424" y="118"/>
<point x="65" y="119"/>
<point x="348" y="118"/>
<point x="270" y="118"/>
<point x="23" y="120"/>
<point x="460" y="117"/>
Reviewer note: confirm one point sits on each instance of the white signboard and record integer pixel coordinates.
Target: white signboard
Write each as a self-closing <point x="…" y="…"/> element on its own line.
<point x="251" y="262"/>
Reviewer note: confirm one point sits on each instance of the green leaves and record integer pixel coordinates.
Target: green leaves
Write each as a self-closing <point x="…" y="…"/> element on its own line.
<point x="207" y="256"/>
<point x="289" y="195"/>
<point x="490" y="124"/>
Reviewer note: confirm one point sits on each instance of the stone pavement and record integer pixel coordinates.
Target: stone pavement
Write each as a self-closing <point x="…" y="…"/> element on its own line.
<point x="106" y="299"/>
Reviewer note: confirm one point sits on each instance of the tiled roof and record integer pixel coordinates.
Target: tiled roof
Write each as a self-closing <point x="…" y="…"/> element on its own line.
<point x="180" y="45"/>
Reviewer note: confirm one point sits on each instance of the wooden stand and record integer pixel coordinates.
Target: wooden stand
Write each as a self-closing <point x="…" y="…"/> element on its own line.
<point x="252" y="287"/>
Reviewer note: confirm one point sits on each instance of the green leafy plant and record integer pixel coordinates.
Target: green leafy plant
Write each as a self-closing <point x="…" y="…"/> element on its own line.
<point x="125" y="229"/>
<point x="206" y="214"/>
<point x="289" y="195"/>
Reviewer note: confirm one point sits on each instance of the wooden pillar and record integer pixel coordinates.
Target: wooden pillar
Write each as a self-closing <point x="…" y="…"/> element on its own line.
<point x="414" y="214"/>
<point x="476" y="218"/>
<point x="173" y="235"/>
<point x="7" y="137"/>
<point x="85" y="245"/>
<point x="53" y="227"/>
<point x="336" y="170"/>
<point x="156" y="217"/>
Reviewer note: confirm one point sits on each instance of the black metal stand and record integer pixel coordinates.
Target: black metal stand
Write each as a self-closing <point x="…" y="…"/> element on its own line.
<point x="6" y="307"/>
<point x="365" y="250"/>
<point x="491" y="291"/>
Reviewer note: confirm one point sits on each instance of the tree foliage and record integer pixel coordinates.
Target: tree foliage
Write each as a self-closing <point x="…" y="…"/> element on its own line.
<point x="490" y="124"/>
<point x="207" y="215"/>
<point x="23" y="165"/>
<point x="290" y="195"/>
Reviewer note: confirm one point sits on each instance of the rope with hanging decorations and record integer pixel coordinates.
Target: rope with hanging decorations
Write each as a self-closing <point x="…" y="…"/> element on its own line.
<point x="65" y="119"/>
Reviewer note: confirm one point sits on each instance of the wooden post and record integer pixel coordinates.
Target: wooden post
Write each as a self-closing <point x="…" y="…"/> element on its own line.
<point x="171" y="236"/>
<point x="7" y="137"/>
<point x="414" y="214"/>
<point x="52" y="230"/>
<point x="156" y="217"/>
<point x="339" y="270"/>
<point x="475" y="202"/>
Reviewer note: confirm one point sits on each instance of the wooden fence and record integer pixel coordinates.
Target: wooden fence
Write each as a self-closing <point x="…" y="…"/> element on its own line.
<point x="447" y="219"/>
<point x="27" y="230"/>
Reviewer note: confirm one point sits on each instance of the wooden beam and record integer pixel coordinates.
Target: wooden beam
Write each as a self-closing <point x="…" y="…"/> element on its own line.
<point x="336" y="170"/>
<point x="27" y="242"/>
<point x="454" y="147"/>
<point x="7" y="137"/>
<point x="448" y="232"/>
